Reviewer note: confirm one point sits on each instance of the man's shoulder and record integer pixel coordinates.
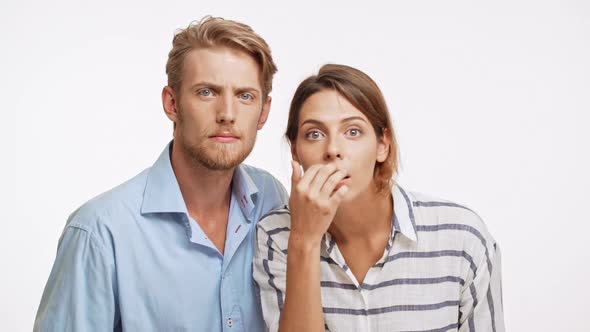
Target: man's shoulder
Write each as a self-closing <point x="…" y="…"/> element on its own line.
<point x="259" y="175"/>
<point x="271" y="192"/>
<point x="122" y="200"/>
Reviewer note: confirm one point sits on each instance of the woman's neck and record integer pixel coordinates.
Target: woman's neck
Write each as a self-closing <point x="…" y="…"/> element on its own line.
<point x="367" y="216"/>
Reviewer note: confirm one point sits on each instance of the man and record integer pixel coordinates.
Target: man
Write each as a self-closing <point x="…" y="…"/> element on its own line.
<point x="171" y="249"/>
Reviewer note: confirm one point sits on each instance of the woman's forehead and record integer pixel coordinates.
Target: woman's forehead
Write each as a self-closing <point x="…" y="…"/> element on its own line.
<point x="328" y="106"/>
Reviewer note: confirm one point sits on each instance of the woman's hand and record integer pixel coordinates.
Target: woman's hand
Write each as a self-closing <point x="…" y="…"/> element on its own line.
<point x="314" y="200"/>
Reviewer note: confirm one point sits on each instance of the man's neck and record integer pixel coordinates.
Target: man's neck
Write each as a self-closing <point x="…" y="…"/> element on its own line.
<point x="202" y="189"/>
<point x="206" y="193"/>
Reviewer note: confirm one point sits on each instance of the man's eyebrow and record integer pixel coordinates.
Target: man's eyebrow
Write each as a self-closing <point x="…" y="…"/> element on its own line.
<point x="219" y="87"/>
<point x="247" y="88"/>
<point x="206" y="84"/>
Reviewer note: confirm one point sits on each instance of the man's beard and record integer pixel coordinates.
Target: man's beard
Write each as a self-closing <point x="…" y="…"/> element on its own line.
<point x="218" y="156"/>
<point x="212" y="155"/>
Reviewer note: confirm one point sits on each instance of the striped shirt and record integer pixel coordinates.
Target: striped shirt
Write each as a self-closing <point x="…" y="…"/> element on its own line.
<point x="440" y="271"/>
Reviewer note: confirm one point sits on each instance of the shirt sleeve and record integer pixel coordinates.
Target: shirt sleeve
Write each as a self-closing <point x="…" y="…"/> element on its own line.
<point x="481" y="303"/>
<point x="282" y="195"/>
<point x="270" y="274"/>
<point x="274" y="195"/>
<point x="80" y="294"/>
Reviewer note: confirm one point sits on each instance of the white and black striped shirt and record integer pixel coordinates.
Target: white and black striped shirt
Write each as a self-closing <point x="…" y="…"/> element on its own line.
<point x="439" y="272"/>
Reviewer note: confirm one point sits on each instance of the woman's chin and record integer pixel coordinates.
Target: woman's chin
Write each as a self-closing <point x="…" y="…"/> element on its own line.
<point x="349" y="196"/>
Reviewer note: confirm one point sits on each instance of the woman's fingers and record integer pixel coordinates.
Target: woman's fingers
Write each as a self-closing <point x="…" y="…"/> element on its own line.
<point x="307" y="178"/>
<point x="321" y="177"/>
<point x="315" y="197"/>
<point x="296" y="175"/>
<point x="318" y="180"/>
<point x="338" y="195"/>
<point x="332" y="182"/>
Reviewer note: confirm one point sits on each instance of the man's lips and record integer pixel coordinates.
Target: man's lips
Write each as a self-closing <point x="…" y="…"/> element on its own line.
<point x="224" y="137"/>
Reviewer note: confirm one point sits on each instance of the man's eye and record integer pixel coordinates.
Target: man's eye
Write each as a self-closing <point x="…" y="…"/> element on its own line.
<point x="314" y="134"/>
<point x="205" y="92"/>
<point x="246" y="96"/>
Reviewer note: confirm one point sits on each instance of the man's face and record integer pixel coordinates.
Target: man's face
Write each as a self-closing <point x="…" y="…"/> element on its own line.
<point x="220" y="107"/>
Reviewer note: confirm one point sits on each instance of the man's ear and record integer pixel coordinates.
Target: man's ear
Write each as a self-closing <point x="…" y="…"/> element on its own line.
<point x="264" y="113"/>
<point x="383" y="147"/>
<point x="170" y="104"/>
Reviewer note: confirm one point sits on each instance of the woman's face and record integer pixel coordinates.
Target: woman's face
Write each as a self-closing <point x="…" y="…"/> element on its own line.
<point x="332" y="130"/>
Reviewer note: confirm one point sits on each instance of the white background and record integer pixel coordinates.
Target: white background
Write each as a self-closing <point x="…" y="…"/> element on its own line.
<point x="490" y="101"/>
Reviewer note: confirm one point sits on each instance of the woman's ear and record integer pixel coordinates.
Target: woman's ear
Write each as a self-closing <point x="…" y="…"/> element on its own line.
<point x="294" y="152"/>
<point x="383" y="146"/>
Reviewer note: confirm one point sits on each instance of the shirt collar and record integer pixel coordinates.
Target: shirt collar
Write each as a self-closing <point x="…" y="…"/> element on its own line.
<point x="403" y="214"/>
<point x="245" y="191"/>
<point x="162" y="192"/>
<point x="403" y="219"/>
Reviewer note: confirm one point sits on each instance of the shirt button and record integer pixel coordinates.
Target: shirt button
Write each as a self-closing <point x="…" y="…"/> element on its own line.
<point x="230" y="322"/>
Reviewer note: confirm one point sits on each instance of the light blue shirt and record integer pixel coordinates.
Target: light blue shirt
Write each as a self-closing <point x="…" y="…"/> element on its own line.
<point x="133" y="259"/>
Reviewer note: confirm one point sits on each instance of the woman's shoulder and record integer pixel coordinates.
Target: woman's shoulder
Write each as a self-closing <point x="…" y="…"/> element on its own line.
<point x="276" y="226"/>
<point x="452" y="220"/>
<point x="432" y="210"/>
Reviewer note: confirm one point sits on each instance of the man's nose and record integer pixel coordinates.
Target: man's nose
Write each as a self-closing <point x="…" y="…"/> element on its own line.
<point x="226" y="110"/>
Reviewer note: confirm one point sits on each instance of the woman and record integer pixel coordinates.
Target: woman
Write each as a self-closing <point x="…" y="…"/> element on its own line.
<point x="356" y="252"/>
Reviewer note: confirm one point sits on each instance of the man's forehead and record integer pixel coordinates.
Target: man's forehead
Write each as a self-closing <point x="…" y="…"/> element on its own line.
<point x="222" y="66"/>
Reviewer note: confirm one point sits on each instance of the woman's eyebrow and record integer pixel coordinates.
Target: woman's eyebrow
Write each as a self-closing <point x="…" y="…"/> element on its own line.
<point x="352" y="118"/>
<point x="311" y="121"/>
<point x="320" y="123"/>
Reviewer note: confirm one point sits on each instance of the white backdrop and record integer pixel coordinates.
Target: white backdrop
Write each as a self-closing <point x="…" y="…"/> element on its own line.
<point x="490" y="101"/>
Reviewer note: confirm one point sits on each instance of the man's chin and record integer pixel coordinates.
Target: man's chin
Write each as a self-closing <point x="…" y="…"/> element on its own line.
<point x="219" y="160"/>
<point x="217" y="156"/>
<point x="223" y="165"/>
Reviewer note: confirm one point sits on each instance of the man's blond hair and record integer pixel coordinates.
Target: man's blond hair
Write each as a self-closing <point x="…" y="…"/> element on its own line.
<point x="216" y="32"/>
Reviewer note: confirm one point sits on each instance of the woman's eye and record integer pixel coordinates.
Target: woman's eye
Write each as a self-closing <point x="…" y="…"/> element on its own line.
<point x="314" y="134"/>
<point x="354" y="132"/>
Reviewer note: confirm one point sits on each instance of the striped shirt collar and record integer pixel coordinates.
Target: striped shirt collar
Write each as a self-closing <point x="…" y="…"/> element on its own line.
<point x="403" y="219"/>
<point x="162" y="192"/>
<point x="404" y="216"/>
